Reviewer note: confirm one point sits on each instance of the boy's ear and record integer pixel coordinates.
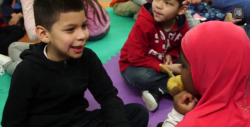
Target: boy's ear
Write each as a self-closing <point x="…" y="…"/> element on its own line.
<point x="182" y="10"/>
<point x="42" y="34"/>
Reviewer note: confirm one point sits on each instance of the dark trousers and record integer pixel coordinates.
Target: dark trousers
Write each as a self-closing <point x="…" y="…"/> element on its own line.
<point x="9" y="34"/>
<point x="146" y="78"/>
<point x="136" y="114"/>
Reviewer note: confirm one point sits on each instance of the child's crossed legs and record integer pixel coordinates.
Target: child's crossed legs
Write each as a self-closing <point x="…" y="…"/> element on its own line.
<point x="152" y="83"/>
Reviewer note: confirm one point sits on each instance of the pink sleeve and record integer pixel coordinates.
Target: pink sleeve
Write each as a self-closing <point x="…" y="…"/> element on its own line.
<point x="94" y="25"/>
<point x="29" y="20"/>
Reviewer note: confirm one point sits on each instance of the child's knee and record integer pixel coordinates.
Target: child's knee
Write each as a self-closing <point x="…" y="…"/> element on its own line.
<point x="17" y="47"/>
<point x="12" y="46"/>
<point x="127" y="9"/>
<point x="140" y="2"/>
<point x="144" y="78"/>
<point x="140" y="110"/>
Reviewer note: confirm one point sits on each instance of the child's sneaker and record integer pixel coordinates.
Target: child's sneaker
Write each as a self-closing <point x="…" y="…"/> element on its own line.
<point x="151" y="99"/>
<point x="200" y="18"/>
<point x="3" y="60"/>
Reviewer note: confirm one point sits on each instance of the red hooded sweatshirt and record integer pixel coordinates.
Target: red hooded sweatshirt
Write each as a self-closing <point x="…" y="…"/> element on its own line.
<point x="148" y="43"/>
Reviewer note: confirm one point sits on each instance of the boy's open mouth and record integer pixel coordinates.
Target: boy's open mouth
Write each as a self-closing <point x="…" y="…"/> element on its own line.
<point x="76" y="47"/>
<point x="157" y="14"/>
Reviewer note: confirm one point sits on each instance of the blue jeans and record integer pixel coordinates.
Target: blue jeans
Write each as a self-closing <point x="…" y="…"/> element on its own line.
<point x="145" y="78"/>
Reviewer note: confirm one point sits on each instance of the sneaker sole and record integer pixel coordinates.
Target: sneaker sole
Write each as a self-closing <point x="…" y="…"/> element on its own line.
<point x="149" y="101"/>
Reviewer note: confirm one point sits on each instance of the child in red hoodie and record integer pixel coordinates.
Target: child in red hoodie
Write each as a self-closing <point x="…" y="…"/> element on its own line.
<point x="154" y="39"/>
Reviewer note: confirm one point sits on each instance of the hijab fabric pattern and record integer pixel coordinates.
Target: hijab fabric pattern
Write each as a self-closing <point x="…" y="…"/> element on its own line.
<point x="245" y="103"/>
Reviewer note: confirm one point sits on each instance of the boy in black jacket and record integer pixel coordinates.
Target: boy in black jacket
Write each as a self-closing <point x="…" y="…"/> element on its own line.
<point x="47" y="87"/>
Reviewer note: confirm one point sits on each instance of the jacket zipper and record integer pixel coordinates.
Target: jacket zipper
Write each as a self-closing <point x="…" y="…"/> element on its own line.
<point x="166" y="43"/>
<point x="65" y="64"/>
<point x="174" y="31"/>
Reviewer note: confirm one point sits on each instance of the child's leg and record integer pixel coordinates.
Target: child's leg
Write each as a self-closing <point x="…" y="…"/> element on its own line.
<point x="15" y="49"/>
<point x="98" y="37"/>
<point x="140" y="2"/>
<point x="192" y="22"/>
<point x="8" y="35"/>
<point x="136" y="114"/>
<point x="145" y="78"/>
<point x="127" y="9"/>
<point x="151" y="82"/>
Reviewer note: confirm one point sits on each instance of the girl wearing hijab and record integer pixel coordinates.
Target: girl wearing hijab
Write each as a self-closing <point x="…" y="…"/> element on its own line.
<point x="216" y="70"/>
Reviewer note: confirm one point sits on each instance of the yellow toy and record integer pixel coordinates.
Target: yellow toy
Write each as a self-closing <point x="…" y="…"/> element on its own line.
<point x="174" y="84"/>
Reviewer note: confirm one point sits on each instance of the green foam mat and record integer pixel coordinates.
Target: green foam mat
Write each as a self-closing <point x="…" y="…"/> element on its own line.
<point x="117" y="35"/>
<point x="4" y="89"/>
<point x="104" y="48"/>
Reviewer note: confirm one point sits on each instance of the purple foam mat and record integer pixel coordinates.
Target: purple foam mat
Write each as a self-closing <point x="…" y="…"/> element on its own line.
<point x="130" y="94"/>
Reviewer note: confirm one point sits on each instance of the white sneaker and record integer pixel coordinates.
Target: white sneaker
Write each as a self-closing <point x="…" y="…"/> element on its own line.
<point x="151" y="99"/>
<point x="3" y="60"/>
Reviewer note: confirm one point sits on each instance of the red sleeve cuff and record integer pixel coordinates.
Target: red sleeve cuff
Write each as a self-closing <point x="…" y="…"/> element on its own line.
<point x="156" y="66"/>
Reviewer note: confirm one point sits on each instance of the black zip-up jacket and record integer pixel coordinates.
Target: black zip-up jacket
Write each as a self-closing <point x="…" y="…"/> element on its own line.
<point x="44" y="93"/>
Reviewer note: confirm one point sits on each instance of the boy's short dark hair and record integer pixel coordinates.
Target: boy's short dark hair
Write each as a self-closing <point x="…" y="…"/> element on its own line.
<point x="180" y="2"/>
<point x="47" y="12"/>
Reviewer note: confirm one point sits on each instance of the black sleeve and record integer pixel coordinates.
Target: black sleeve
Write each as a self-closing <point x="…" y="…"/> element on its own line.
<point x="6" y="8"/>
<point x="21" y="92"/>
<point x="101" y="86"/>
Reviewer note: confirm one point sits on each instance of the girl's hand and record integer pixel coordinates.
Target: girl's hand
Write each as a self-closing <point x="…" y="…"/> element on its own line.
<point x="175" y="91"/>
<point x="15" y="19"/>
<point x="168" y="60"/>
<point x="184" y="102"/>
<point x="175" y="68"/>
<point x="229" y="18"/>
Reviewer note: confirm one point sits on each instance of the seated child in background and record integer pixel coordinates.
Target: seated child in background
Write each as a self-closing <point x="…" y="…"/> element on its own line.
<point x="154" y="39"/>
<point x="8" y="34"/>
<point x="223" y="89"/>
<point x="10" y="15"/>
<point x="130" y="8"/>
<point x="48" y="86"/>
<point x="98" y="20"/>
<point x="227" y="6"/>
<point x="204" y="12"/>
<point x="98" y="26"/>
